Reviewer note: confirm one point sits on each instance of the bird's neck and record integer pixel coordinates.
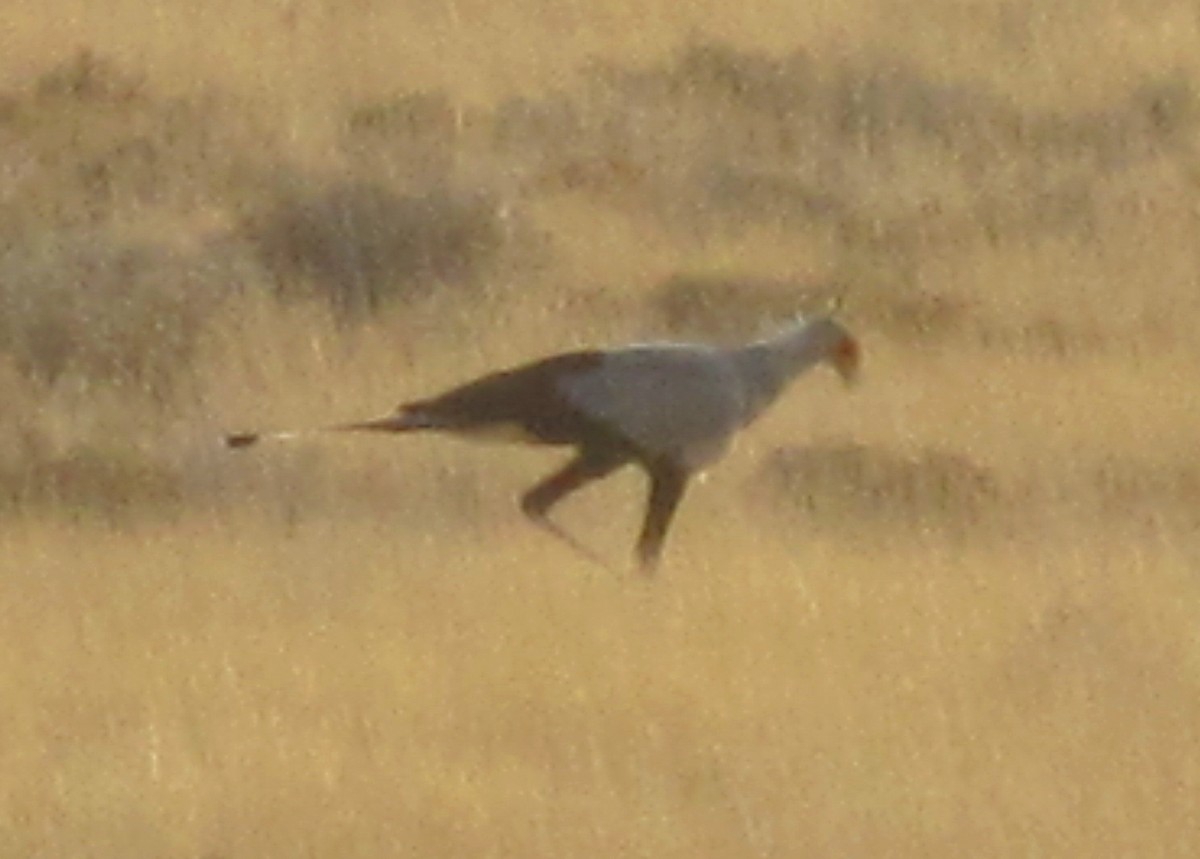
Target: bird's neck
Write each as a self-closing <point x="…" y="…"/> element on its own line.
<point x="766" y="367"/>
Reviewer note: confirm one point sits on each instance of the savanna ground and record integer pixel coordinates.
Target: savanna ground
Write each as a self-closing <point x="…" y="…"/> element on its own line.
<point x="951" y="613"/>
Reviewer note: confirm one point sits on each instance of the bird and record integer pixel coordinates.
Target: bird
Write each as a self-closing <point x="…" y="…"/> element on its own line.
<point x="671" y="408"/>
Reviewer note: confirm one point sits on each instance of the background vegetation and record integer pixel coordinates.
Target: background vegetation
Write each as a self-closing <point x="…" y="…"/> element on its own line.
<point x="952" y="613"/>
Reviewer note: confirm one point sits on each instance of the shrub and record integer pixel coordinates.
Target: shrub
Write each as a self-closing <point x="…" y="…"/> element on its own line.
<point x="359" y="246"/>
<point x="79" y="307"/>
<point x="854" y="483"/>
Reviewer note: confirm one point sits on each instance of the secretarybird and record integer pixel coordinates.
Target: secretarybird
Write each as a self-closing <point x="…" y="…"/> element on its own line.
<point x="670" y="408"/>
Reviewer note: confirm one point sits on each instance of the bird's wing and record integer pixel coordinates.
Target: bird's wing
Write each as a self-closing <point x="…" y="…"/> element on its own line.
<point x="681" y="402"/>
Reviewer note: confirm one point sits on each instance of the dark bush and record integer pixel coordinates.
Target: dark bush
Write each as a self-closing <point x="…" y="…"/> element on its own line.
<point x="89" y="480"/>
<point x="77" y="306"/>
<point x="93" y="145"/>
<point x="857" y="483"/>
<point x="359" y="246"/>
<point x="411" y="141"/>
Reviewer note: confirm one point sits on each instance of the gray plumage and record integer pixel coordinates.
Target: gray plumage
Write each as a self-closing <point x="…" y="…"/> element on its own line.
<point x="671" y="408"/>
<point x="686" y="401"/>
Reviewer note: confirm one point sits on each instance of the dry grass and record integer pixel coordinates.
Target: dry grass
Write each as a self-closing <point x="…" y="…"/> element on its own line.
<point x="221" y="687"/>
<point x="949" y="614"/>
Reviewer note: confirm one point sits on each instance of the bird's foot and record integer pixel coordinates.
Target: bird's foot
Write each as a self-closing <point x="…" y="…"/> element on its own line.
<point x="555" y="531"/>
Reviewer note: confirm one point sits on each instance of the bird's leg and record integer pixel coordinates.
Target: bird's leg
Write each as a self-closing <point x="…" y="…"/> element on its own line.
<point x="667" y="483"/>
<point x="536" y="502"/>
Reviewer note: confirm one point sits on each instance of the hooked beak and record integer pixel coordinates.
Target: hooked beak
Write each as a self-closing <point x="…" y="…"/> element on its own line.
<point x="846" y="359"/>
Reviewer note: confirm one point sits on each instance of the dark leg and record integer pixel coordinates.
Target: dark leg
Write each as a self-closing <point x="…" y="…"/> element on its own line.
<point x="577" y="473"/>
<point x="667" y="483"/>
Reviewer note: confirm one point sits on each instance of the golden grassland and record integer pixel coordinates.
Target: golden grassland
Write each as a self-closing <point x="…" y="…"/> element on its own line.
<point x="950" y="612"/>
<point x="213" y="689"/>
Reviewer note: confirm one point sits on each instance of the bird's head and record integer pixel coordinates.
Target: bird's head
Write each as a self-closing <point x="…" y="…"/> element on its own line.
<point x="835" y="346"/>
<point x="842" y="350"/>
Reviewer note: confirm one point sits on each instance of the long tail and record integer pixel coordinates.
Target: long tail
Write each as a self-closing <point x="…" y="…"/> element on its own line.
<point x="402" y="421"/>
